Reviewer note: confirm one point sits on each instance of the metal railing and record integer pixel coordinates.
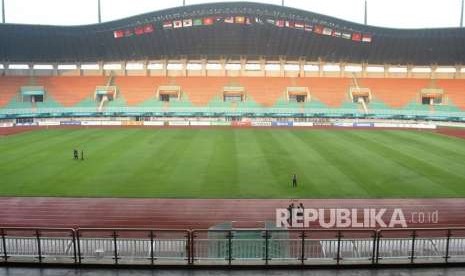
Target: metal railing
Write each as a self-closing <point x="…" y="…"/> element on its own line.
<point x="231" y="247"/>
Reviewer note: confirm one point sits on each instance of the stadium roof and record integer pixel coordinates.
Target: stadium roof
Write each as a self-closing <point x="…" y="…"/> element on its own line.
<point x="232" y="30"/>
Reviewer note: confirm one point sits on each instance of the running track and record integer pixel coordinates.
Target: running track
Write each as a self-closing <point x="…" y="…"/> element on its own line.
<point x="198" y="213"/>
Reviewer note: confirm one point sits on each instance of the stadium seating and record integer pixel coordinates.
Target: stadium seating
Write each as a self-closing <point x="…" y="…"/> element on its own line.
<point x="327" y="95"/>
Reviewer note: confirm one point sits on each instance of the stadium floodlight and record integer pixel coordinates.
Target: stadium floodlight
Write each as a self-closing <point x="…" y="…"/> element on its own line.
<point x="446" y="70"/>
<point x="272" y="67"/>
<point x="174" y="66"/>
<point x="42" y="67"/>
<point x="112" y="66"/>
<point x="462" y="70"/>
<point x="421" y="70"/>
<point x="353" y="68"/>
<point x="194" y="66"/>
<point x="213" y="66"/>
<point x="134" y="66"/>
<point x="18" y="66"/>
<point x="2" y="67"/>
<point x="94" y="66"/>
<point x="155" y="66"/>
<point x="375" y="69"/>
<point x="67" y="67"/>
<point x="397" y="69"/>
<point x="311" y="68"/>
<point x="291" y="67"/>
<point x="252" y="67"/>
<point x="233" y="66"/>
<point x="331" y="68"/>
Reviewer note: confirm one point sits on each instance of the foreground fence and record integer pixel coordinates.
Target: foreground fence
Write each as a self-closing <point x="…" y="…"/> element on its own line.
<point x="231" y="247"/>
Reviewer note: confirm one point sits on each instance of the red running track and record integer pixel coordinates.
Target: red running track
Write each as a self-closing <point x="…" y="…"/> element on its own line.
<point x="202" y="213"/>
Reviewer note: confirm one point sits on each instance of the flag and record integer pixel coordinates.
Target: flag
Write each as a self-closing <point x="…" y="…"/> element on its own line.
<point x="167" y="25"/>
<point x="148" y="28"/>
<point x="337" y="33"/>
<point x="356" y="36"/>
<point x="139" y="30"/>
<point x="118" y="34"/>
<point x="327" y="31"/>
<point x="177" y="24"/>
<point x="346" y="35"/>
<point x="318" y="29"/>
<point x="287" y="24"/>
<point x="208" y="21"/>
<point x="366" y="38"/>
<point x="271" y="21"/>
<point x="308" y="28"/>
<point x="229" y="19"/>
<point x="219" y="19"/>
<point x="197" y="22"/>
<point x="299" y="25"/>
<point x="247" y="21"/>
<point x="240" y="20"/>
<point x="280" y="23"/>
<point x="128" y="33"/>
<point x="259" y="20"/>
<point x="187" y="23"/>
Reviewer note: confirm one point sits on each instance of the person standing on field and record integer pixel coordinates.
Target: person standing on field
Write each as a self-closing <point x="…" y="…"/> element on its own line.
<point x="294" y="181"/>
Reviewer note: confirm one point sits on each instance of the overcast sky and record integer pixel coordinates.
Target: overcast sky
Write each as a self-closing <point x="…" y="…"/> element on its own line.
<point x="386" y="13"/>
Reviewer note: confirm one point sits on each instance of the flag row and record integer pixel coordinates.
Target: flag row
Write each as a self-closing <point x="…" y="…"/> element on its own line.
<point x="319" y="29"/>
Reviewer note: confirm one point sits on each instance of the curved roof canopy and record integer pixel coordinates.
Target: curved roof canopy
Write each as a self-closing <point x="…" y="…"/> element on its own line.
<point x="231" y="30"/>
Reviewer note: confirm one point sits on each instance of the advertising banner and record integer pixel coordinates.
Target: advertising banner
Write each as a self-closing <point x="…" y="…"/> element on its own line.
<point x="6" y="125"/>
<point x="282" y="124"/>
<point x="220" y="123"/>
<point x="49" y="123"/>
<point x="91" y="123"/>
<point x="303" y="124"/>
<point x="241" y="124"/>
<point x="70" y="123"/>
<point x="178" y="123"/>
<point x="363" y="125"/>
<point x="200" y="123"/>
<point x="131" y="123"/>
<point x="154" y="123"/>
<point x="261" y="124"/>
<point x="110" y="123"/>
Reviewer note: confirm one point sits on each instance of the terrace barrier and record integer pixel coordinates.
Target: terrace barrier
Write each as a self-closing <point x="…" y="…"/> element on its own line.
<point x="237" y="247"/>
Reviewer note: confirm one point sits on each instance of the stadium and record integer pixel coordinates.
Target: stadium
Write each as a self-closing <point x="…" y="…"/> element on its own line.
<point x="231" y="134"/>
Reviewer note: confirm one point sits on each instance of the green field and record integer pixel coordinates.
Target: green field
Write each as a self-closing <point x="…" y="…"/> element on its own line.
<point x="232" y="163"/>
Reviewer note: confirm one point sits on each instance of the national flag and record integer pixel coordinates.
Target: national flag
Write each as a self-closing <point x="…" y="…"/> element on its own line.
<point x="148" y="28"/>
<point x="229" y="19"/>
<point x="118" y="34"/>
<point x="327" y="31"/>
<point x="219" y="19"/>
<point x="208" y="21"/>
<point x="139" y="30"/>
<point x="346" y="35"/>
<point x="239" y="20"/>
<point x="128" y="33"/>
<point x="287" y="24"/>
<point x="167" y="25"/>
<point x="299" y="25"/>
<point x="280" y="23"/>
<point x="318" y="29"/>
<point x="337" y="33"/>
<point x="197" y="22"/>
<point x="271" y="21"/>
<point x="177" y="24"/>
<point x="248" y="21"/>
<point x="366" y="38"/>
<point x="308" y="28"/>
<point x="356" y="36"/>
<point x="187" y="23"/>
<point x="259" y="20"/>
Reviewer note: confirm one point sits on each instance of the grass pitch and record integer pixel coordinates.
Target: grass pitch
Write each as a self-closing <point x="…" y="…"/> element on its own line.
<point x="232" y="163"/>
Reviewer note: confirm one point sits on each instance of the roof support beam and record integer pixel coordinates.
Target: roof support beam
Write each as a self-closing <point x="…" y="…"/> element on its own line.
<point x="366" y="13"/>
<point x="99" y="12"/>
<point x="461" y="15"/>
<point x="3" y="11"/>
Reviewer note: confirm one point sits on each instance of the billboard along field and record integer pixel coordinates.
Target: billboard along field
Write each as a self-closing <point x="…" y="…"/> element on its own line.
<point x="232" y="163"/>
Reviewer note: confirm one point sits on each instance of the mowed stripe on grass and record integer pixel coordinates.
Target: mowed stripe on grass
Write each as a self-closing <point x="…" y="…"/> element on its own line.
<point x="232" y="163"/>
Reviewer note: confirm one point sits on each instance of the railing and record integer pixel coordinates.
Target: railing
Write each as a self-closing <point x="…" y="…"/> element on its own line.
<point x="231" y="247"/>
